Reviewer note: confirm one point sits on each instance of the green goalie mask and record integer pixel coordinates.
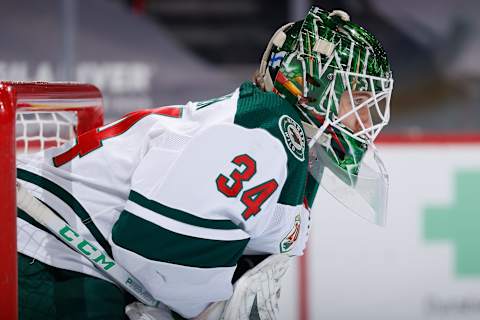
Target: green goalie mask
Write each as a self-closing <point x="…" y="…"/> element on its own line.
<point x="338" y="76"/>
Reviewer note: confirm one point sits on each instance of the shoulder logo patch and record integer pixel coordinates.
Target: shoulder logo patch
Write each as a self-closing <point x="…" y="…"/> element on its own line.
<point x="293" y="135"/>
<point x="287" y="243"/>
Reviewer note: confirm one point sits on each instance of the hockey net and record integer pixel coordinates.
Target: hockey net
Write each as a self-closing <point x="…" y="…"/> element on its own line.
<point x="33" y="117"/>
<point x="39" y="130"/>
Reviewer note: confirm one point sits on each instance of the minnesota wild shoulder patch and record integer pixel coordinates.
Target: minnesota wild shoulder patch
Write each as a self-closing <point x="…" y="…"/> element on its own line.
<point x="293" y="135"/>
<point x="289" y="240"/>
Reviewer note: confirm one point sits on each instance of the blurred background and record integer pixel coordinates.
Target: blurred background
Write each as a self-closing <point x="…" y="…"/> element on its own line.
<point x="149" y="53"/>
<point x="143" y="53"/>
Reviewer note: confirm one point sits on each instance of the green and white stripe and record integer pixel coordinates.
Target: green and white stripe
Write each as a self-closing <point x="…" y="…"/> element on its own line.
<point x="165" y="234"/>
<point x="182" y="222"/>
<point x="71" y="208"/>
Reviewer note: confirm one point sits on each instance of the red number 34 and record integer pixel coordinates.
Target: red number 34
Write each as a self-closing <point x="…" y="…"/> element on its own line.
<point x="252" y="198"/>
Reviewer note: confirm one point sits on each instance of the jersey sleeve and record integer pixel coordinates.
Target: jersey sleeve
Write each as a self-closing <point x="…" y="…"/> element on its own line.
<point x="190" y="214"/>
<point x="288" y="232"/>
<point x="267" y="110"/>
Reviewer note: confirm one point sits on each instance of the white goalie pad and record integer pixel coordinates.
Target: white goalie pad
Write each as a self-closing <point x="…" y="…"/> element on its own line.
<point x="255" y="296"/>
<point x="139" y="311"/>
<point x="256" y="293"/>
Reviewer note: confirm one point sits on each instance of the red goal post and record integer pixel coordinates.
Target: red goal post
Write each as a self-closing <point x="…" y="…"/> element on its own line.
<point x="34" y="116"/>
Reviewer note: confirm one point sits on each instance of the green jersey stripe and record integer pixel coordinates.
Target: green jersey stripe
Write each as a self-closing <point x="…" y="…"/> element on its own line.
<point x="184" y="228"/>
<point x="179" y="215"/>
<point x="70" y="200"/>
<point x="156" y="243"/>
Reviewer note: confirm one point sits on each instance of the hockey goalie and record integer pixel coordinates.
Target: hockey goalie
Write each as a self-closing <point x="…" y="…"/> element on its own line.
<point x="199" y="207"/>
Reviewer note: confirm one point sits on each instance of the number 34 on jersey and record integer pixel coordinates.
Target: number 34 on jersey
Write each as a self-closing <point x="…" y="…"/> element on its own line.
<point x="232" y="186"/>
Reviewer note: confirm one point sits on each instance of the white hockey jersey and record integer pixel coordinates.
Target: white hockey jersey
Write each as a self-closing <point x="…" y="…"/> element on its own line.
<point x="177" y="194"/>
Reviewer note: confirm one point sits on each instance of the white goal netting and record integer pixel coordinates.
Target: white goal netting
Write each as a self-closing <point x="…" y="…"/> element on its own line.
<point x="40" y="130"/>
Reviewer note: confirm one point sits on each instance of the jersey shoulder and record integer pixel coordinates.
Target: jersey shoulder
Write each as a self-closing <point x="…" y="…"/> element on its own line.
<point x="268" y="111"/>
